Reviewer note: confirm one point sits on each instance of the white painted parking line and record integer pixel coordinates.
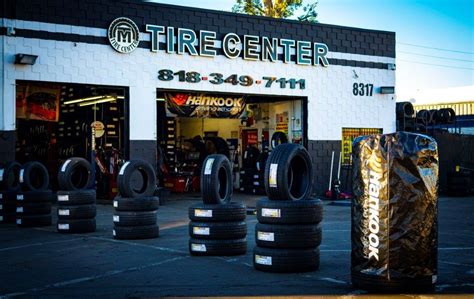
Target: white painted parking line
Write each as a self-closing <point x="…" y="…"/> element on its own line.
<point x="333" y="280"/>
<point x="456" y="248"/>
<point x="139" y="245"/>
<point x="39" y="244"/>
<point x="456" y="264"/>
<point x="94" y="277"/>
<point x="441" y="287"/>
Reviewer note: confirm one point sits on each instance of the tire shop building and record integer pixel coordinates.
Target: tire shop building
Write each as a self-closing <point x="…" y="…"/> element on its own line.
<point x="157" y="82"/>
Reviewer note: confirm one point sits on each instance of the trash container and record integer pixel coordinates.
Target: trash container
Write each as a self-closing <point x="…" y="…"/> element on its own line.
<point x="394" y="212"/>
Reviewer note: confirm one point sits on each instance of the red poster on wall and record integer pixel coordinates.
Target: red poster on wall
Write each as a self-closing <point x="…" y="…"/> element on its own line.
<point x="39" y="102"/>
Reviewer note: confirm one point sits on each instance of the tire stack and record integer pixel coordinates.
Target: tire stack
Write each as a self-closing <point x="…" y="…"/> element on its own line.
<point x="217" y="226"/>
<point x="76" y="201"/>
<point x="33" y="207"/>
<point x="9" y="186"/>
<point x="135" y="215"/>
<point x="288" y="232"/>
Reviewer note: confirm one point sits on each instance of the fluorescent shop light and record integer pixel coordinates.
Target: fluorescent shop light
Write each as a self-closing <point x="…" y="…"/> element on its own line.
<point x="104" y="100"/>
<point x="160" y="100"/>
<point x="84" y="100"/>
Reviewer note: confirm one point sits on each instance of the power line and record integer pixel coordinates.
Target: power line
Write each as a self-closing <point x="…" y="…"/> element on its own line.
<point x="440" y="57"/>
<point x="439" y="49"/>
<point x="442" y="65"/>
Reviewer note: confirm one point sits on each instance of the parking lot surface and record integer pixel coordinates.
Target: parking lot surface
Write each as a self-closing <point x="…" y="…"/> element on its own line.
<point x="41" y="262"/>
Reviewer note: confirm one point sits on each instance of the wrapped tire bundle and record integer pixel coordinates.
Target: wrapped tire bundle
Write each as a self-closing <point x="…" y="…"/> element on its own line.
<point x="394" y="212"/>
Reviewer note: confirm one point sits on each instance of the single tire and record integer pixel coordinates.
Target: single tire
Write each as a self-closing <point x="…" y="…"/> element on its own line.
<point x="136" y="203"/>
<point x="77" y="212"/>
<point x="250" y="157"/>
<point x="136" y="232"/>
<point x="9" y="176"/>
<point x="134" y="218"/>
<point x="278" y="138"/>
<point x="217" y="213"/>
<point x="452" y="115"/>
<point x="34" y="220"/>
<point x="202" y="247"/>
<point x="76" y="197"/>
<point x="383" y="285"/>
<point x="40" y="208"/>
<point x="289" y="173"/>
<point x="216" y="180"/>
<point x="148" y="178"/>
<point x="75" y="174"/>
<point x="404" y="110"/>
<point x="442" y="116"/>
<point x="285" y="260"/>
<point x="218" y="230"/>
<point x="423" y="117"/>
<point x="220" y="145"/>
<point x="34" y="196"/>
<point x="290" y="212"/>
<point x="34" y="177"/>
<point x="288" y="236"/>
<point x="73" y="226"/>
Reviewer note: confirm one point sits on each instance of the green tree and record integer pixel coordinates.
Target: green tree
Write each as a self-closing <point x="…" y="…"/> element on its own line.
<point x="277" y="9"/>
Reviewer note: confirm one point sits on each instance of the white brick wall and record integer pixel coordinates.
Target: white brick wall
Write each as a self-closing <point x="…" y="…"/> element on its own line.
<point x="329" y="90"/>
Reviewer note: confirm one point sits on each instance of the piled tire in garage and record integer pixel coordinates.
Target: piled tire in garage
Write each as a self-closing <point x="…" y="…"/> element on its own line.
<point x="9" y="186"/>
<point x="135" y="215"/>
<point x="76" y="200"/>
<point x="288" y="232"/>
<point x="217" y="226"/>
<point x="33" y="202"/>
<point x="249" y="170"/>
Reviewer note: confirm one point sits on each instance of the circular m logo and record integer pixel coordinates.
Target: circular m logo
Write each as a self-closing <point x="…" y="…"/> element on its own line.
<point x="124" y="35"/>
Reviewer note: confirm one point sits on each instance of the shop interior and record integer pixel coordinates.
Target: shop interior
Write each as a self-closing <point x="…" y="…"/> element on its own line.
<point x="186" y="137"/>
<point x="58" y="121"/>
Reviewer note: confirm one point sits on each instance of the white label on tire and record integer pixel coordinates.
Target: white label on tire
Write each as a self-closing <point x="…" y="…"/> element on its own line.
<point x="114" y="233"/>
<point x="274" y="213"/>
<point x="115" y="204"/>
<point x="63" y="212"/>
<point x="208" y="168"/>
<point x="203" y="213"/>
<point x="198" y="247"/>
<point x="1" y="195"/>
<point x="242" y="189"/>
<point x="122" y="169"/>
<point x="22" y="173"/>
<point x="64" y="226"/>
<point x="63" y="197"/>
<point x="19" y="209"/>
<point x="434" y="278"/>
<point x="1" y="175"/>
<point x="116" y="218"/>
<point x="272" y="178"/>
<point x="1" y="207"/>
<point x="19" y="197"/>
<point x="255" y="176"/>
<point x="201" y="231"/>
<point x="65" y="164"/>
<point x="256" y="183"/>
<point x="263" y="260"/>
<point x="1" y="218"/>
<point x="18" y="221"/>
<point x="258" y="165"/>
<point x="264" y="236"/>
<point x="245" y="154"/>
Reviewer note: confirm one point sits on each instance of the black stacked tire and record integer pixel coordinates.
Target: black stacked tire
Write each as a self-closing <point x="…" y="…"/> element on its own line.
<point x="33" y="202"/>
<point x="289" y="232"/>
<point x="7" y="206"/>
<point x="76" y="201"/>
<point x="135" y="215"/>
<point x="252" y="174"/>
<point x="217" y="229"/>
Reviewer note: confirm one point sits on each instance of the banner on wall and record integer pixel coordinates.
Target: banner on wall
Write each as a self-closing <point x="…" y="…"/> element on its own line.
<point x="204" y="105"/>
<point x="40" y="102"/>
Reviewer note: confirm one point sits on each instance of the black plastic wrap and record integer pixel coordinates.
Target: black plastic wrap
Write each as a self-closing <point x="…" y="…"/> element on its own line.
<point x="394" y="210"/>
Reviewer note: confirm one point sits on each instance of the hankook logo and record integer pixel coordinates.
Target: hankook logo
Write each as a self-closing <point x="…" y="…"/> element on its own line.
<point x="124" y="35"/>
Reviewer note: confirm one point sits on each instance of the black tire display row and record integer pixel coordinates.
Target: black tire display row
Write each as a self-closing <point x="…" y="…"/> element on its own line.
<point x="217" y="229"/>
<point x="76" y="211"/>
<point x="135" y="218"/>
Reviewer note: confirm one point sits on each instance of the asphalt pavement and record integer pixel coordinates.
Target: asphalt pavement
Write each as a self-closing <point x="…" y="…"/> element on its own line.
<point x="40" y="262"/>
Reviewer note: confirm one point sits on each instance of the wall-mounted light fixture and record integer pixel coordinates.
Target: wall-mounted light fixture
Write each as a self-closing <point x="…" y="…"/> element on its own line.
<point x="25" y="59"/>
<point x="387" y="89"/>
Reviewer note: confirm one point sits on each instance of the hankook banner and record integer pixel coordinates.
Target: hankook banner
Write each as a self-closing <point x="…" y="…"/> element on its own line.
<point x="205" y="105"/>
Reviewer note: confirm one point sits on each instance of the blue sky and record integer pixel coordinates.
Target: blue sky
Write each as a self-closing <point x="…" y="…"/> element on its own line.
<point x="443" y="24"/>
